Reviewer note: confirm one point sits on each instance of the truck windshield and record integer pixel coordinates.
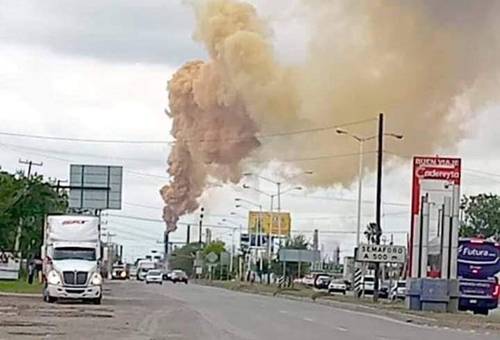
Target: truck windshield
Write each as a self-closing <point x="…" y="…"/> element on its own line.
<point x="73" y="253"/>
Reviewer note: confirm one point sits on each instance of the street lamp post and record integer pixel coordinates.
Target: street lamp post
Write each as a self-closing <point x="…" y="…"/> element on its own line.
<point x="258" y="231"/>
<point x="361" y="141"/>
<point x="269" y="231"/>
<point x="380" y="138"/>
<point x="279" y="193"/>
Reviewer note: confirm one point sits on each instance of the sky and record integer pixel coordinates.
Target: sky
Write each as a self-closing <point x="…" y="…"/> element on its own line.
<point x="98" y="69"/>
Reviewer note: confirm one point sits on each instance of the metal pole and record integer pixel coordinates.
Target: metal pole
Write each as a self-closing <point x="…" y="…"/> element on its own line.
<point x="232" y="253"/>
<point x="269" y="237"/>
<point x="378" y="207"/>
<point x="454" y="228"/>
<point x="360" y="192"/>
<point x="188" y="234"/>
<point x="424" y="238"/>
<point x="279" y="212"/>
<point x="445" y="237"/>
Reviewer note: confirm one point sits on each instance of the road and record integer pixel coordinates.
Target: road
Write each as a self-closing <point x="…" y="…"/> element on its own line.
<point x="133" y="310"/>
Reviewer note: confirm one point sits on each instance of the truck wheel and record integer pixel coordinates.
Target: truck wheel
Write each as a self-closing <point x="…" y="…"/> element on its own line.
<point x="97" y="301"/>
<point x="186" y="282"/>
<point x="50" y="299"/>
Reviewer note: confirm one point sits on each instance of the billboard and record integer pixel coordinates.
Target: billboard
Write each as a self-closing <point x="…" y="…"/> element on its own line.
<point x="95" y="187"/>
<point x="278" y="223"/>
<point x="435" y="177"/>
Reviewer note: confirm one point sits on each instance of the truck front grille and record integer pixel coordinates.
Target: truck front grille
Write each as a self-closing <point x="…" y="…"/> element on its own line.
<point x="75" y="278"/>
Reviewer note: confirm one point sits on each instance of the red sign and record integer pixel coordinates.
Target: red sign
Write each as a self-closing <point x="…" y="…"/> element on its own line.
<point x="433" y="168"/>
<point x="442" y="169"/>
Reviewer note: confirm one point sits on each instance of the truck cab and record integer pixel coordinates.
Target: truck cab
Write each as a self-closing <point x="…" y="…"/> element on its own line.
<point x="71" y="258"/>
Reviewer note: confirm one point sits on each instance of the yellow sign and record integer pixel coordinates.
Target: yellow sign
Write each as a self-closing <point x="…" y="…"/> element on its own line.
<point x="270" y="221"/>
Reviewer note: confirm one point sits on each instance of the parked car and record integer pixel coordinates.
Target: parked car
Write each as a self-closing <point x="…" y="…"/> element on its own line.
<point x="167" y="276"/>
<point x="368" y="284"/>
<point x="322" y="281"/>
<point x="179" y="276"/>
<point x="384" y="290"/>
<point x="308" y="280"/>
<point x="154" y="276"/>
<point x="398" y="290"/>
<point x="337" y="286"/>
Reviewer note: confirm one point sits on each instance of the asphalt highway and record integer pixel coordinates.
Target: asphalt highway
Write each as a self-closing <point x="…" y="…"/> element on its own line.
<point x="134" y="310"/>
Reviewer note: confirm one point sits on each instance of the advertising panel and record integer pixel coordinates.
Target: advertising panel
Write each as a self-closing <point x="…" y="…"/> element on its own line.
<point x="435" y="177"/>
<point x="270" y="222"/>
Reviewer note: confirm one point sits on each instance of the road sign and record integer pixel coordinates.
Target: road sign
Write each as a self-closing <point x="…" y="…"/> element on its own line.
<point x="212" y="257"/>
<point x="381" y="253"/>
<point x="299" y="255"/>
<point x="270" y="222"/>
<point x="225" y="258"/>
<point x="95" y="187"/>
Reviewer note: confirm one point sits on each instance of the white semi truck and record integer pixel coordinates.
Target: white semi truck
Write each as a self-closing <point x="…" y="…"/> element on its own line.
<point x="71" y="255"/>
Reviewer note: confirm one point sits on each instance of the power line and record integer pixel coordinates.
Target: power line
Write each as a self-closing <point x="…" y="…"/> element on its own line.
<point x="328" y="198"/>
<point x="65" y="160"/>
<point x="314" y="158"/>
<point x="86" y="155"/>
<point x="82" y="140"/>
<point x="129" y="141"/>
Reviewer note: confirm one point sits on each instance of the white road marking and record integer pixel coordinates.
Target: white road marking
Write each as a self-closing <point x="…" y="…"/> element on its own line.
<point x="308" y="319"/>
<point x="341" y="329"/>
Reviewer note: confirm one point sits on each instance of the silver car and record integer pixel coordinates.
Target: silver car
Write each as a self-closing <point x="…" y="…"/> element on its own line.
<point x="154" y="276"/>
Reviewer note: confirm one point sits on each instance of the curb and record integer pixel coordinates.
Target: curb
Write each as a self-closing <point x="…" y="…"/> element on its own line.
<point x="21" y="295"/>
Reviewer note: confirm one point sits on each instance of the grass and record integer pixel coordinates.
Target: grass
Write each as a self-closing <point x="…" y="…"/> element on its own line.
<point x="20" y="287"/>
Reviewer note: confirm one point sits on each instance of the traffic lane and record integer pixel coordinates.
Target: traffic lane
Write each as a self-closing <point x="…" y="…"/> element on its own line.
<point x="130" y="310"/>
<point x="261" y="317"/>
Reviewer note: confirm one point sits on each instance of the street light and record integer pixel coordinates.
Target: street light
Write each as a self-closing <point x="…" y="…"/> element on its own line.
<point x="361" y="140"/>
<point x="258" y="231"/>
<point x="278" y="194"/>
<point x="232" y="213"/>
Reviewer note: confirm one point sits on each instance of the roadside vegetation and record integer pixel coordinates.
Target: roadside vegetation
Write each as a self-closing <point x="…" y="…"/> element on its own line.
<point x="20" y="287"/>
<point x="24" y="202"/>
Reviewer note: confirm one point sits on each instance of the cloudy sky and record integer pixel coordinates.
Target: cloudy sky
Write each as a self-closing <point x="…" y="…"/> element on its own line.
<point x="98" y="69"/>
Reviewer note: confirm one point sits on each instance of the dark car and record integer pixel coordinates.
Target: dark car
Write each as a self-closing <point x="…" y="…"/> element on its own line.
<point x="322" y="281"/>
<point x="384" y="291"/>
<point x="178" y="276"/>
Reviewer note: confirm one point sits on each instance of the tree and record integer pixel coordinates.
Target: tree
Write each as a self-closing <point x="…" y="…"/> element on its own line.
<point x="481" y="216"/>
<point x="183" y="257"/>
<point x="216" y="247"/>
<point x="26" y="201"/>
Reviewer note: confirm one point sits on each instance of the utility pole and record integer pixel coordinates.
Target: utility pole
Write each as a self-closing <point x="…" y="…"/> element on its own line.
<point x="30" y="165"/>
<point x="19" y="230"/>
<point x="188" y="234"/>
<point x="378" y="202"/>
